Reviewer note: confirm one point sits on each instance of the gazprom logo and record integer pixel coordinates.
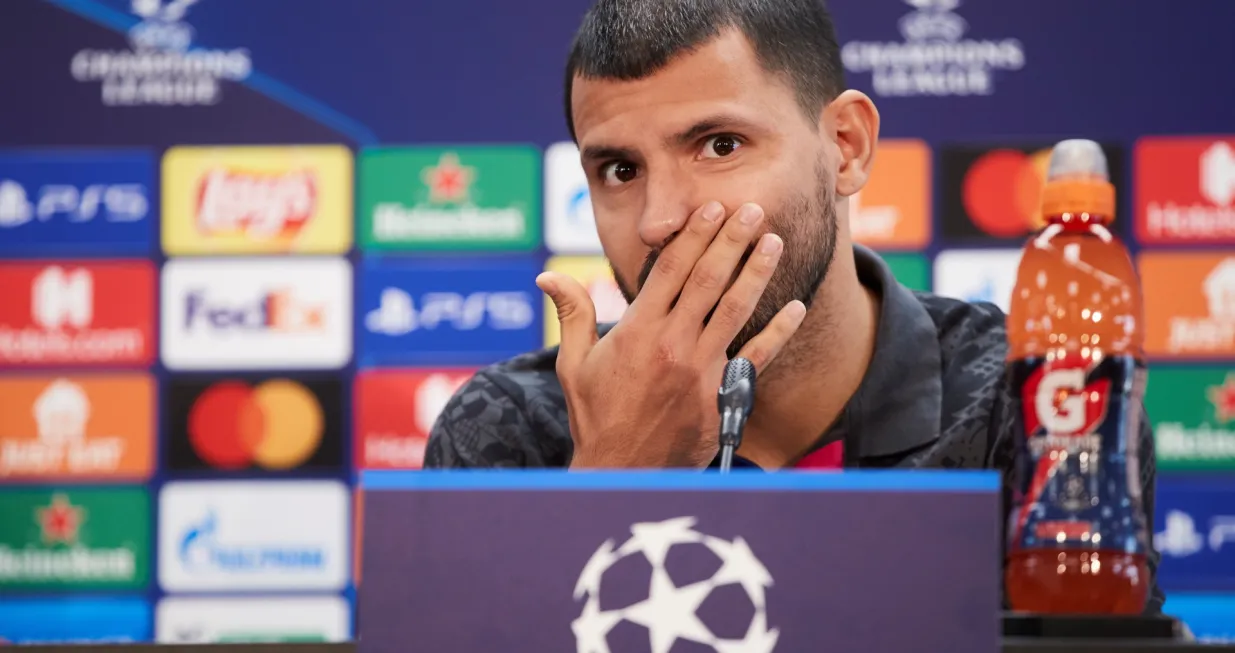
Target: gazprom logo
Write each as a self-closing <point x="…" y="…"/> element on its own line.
<point x="201" y="550"/>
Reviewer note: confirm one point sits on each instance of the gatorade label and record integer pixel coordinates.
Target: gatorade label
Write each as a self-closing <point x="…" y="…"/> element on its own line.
<point x="1079" y="473"/>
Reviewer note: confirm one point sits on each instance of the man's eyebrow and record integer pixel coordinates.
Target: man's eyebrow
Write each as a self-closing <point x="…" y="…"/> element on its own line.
<point x="606" y="152"/>
<point x="685" y="137"/>
<point x="709" y="124"/>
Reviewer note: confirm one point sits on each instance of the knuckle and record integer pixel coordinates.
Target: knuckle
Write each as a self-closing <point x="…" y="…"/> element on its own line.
<point x="665" y="354"/>
<point x="731" y="311"/>
<point x="735" y="237"/>
<point x="669" y="262"/>
<point x="707" y="277"/>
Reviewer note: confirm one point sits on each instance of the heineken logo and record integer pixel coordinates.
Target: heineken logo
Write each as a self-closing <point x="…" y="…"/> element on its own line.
<point x="448" y="181"/>
<point x="60" y="521"/>
<point x="74" y="539"/>
<point x="1223" y="398"/>
<point x="457" y="198"/>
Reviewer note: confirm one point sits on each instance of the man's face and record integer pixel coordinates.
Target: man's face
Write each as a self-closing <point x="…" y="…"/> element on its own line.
<point x="712" y="125"/>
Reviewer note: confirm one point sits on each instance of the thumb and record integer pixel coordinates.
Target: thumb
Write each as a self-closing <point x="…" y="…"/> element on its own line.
<point x="575" y="312"/>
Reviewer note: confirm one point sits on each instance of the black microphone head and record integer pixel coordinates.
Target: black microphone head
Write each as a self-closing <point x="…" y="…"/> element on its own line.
<point x="737" y="389"/>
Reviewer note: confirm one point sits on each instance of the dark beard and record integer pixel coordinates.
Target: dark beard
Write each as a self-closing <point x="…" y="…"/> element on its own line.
<point x="807" y="225"/>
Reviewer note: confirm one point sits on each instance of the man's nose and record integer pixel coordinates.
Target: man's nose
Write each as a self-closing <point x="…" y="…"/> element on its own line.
<point x="668" y="202"/>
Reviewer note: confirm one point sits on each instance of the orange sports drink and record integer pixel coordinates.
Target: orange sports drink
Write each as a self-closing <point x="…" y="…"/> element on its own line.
<point x="1077" y="535"/>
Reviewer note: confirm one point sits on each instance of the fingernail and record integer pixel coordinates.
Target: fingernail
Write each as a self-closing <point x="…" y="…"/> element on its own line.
<point x="797" y="309"/>
<point x="749" y="214"/>
<point x="712" y="211"/>
<point x="770" y="244"/>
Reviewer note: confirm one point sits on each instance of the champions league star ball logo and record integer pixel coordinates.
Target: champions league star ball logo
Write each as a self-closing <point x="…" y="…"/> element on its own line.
<point x="670" y="610"/>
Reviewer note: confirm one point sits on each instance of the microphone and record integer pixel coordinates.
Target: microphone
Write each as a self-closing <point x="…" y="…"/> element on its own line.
<point x="734" y="401"/>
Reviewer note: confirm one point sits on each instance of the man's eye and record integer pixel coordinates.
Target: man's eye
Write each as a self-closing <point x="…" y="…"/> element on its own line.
<point x="721" y="146"/>
<point x="618" y="173"/>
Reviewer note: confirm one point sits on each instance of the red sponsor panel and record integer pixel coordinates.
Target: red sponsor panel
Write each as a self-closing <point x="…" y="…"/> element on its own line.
<point x="1185" y="190"/>
<point x="395" y="411"/>
<point x="79" y="313"/>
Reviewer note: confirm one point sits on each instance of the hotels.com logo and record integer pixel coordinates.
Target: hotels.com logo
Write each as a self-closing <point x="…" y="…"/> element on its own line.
<point x="261" y="206"/>
<point x="395" y="412"/>
<point x="96" y="313"/>
<point x="1185" y="190"/>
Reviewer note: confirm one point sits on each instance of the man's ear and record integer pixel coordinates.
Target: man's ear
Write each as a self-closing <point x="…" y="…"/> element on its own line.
<point x="853" y="121"/>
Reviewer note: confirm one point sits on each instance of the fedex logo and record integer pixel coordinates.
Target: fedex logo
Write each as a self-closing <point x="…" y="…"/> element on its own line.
<point x="65" y="202"/>
<point x="76" y="313"/>
<point x="287" y="313"/>
<point x="279" y="311"/>
<point x="448" y="311"/>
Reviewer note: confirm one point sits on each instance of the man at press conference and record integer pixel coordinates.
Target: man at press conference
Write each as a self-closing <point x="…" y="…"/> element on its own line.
<point x="721" y="149"/>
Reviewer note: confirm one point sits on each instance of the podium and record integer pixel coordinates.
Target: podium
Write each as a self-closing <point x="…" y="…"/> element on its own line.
<point x="602" y="562"/>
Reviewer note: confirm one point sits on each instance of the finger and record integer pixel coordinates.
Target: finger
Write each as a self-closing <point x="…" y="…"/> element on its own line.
<point x="738" y="303"/>
<point x="764" y="347"/>
<point x="575" y="312"/>
<point x="715" y="269"/>
<point x="675" y="261"/>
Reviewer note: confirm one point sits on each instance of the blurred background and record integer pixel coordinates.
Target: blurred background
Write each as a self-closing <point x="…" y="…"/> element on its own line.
<point x="250" y="247"/>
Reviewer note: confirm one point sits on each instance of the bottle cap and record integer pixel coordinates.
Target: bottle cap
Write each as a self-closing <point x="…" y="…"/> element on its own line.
<point x="1077" y="158"/>
<point x="1078" y="187"/>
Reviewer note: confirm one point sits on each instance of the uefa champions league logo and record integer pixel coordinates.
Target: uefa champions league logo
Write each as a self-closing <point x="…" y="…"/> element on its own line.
<point x="669" y="611"/>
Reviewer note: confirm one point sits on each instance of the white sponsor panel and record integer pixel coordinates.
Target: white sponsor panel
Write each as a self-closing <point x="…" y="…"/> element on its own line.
<point x="986" y="275"/>
<point x="286" y="313"/>
<point x="180" y="620"/>
<point x="570" y="226"/>
<point x="254" y="535"/>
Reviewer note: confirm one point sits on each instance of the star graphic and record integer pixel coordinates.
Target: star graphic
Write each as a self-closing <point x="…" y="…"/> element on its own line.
<point x="739" y="565"/>
<point x="669" y="612"/>
<point x="655" y="538"/>
<point x="589" y="578"/>
<point x="1223" y="398"/>
<point x="758" y="638"/>
<point x="448" y="181"/>
<point x="593" y="626"/>
<point x="59" y="521"/>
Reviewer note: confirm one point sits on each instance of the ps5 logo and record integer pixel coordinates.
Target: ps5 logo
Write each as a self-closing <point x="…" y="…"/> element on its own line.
<point x="114" y="202"/>
<point x="398" y="315"/>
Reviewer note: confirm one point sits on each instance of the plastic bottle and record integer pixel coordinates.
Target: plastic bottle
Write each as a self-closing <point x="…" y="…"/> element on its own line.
<point x="1077" y="537"/>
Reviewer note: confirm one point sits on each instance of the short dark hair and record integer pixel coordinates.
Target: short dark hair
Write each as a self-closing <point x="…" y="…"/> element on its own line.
<point x="632" y="39"/>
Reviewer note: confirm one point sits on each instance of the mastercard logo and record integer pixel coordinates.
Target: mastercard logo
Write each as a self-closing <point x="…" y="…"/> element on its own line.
<point x="276" y="424"/>
<point x="1002" y="192"/>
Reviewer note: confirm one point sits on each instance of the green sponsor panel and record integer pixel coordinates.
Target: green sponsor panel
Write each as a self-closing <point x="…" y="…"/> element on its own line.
<point x="1192" y="410"/>
<point x="468" y="198"/>
<point x="912" y="270"/>
<point x="74" y="539"/>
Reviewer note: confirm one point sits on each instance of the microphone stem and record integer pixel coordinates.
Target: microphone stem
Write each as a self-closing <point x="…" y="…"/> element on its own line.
<point x="726" y="457"/>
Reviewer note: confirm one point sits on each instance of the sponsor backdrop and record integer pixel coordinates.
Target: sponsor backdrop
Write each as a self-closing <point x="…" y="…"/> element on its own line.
<point x="251" y="248"/>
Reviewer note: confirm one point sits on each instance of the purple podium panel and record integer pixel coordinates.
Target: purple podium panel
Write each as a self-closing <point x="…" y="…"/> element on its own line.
<point x="680" y="562"/>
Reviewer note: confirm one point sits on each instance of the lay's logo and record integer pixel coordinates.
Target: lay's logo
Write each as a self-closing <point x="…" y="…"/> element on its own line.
<point x="255" y="200"/>
<point x="256" y="205"/>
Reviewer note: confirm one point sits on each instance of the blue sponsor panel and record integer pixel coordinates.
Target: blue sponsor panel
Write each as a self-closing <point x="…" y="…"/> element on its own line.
<point x="455" y="311"/>
<point x="77" y="202"/>
<point x="1210" y="617"/>
<point x="75" y="620"/>
<point x="1194" y="530"/>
